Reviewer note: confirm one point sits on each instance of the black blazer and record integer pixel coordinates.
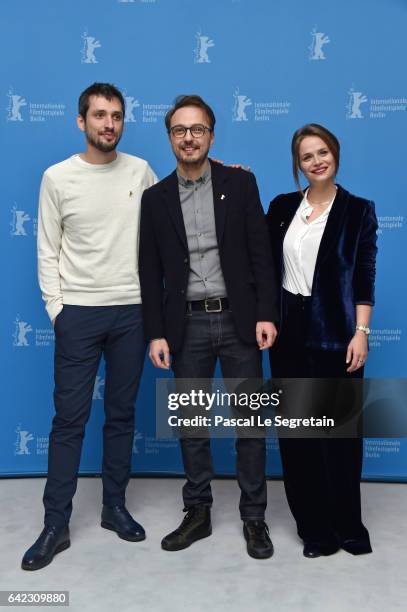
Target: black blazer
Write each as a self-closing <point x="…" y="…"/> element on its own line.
<point x="345" y="267"/>
<point x="244" y="250"/>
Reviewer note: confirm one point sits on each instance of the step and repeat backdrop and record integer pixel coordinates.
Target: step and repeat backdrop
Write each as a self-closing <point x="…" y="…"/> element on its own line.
<point x="266" y="67"/>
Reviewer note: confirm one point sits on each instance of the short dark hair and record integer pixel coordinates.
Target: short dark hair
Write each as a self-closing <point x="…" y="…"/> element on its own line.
<point x="190" y="100"/>
<point x="313" y="129"/>
<point x="106" y="90"/>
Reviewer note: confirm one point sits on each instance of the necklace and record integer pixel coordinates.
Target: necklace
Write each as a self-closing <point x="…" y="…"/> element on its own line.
<point x="321" y="203"/>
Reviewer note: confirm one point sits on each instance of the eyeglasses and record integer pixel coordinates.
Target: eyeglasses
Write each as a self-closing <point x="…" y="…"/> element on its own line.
<point x="197" y="131"/>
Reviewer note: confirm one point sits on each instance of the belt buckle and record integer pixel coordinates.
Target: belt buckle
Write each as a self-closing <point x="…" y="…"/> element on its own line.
<point x="219" y="309"/>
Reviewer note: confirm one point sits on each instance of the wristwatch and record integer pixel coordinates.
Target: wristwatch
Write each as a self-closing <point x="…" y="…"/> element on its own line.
<point x="363" y="328"/>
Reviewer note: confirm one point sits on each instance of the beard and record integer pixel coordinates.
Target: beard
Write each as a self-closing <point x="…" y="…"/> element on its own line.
<point x="103" y="146"/>
<point x="183" y="158"/>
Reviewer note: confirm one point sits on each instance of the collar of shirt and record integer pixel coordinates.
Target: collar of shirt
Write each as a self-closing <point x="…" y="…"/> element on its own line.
<point x="188" y="183"/>
<point x="305" y="209"/>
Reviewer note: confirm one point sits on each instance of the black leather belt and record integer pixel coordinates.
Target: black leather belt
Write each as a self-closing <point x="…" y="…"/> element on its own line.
<point x="209" y="305"/>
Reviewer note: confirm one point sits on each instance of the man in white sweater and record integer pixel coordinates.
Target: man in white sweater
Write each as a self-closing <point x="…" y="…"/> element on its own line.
<point x="88" y="234"/>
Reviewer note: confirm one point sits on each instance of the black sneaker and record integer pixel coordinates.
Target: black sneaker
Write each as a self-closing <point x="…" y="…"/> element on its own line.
<point x="195" y="526"/>
<point x="259" y="545"/>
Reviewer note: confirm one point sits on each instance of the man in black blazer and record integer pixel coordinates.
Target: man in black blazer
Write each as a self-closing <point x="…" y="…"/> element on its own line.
<point x="208" y="292"/>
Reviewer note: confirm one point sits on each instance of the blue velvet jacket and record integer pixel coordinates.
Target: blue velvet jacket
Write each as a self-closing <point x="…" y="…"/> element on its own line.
<point x="345" y="267"/>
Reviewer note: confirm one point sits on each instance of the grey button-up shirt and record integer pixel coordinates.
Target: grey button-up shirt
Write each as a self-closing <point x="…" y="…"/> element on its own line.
<point x="205" y="274"/>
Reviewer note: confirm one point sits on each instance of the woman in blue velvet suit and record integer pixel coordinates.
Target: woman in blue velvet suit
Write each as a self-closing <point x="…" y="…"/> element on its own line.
<point x="324" y="244"/>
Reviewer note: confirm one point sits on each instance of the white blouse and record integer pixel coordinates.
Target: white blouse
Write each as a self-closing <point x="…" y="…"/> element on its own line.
<point x="300" y="248"/>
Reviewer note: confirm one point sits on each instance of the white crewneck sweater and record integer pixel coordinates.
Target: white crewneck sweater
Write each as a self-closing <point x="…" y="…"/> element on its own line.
<point x="88" y="232"/>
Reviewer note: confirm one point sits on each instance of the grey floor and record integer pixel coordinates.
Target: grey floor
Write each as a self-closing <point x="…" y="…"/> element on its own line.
<point x="102" y="572"/>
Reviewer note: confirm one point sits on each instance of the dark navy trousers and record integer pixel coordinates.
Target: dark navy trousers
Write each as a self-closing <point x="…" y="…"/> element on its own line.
<point x="82" y="335"/>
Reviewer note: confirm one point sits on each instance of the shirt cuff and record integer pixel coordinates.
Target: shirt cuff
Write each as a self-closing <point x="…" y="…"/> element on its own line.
<point x="54" y="308"/>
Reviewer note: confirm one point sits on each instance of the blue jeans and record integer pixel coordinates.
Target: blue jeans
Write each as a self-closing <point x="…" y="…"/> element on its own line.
<point x="210" y="336"/>
<point x="82" y="335"/>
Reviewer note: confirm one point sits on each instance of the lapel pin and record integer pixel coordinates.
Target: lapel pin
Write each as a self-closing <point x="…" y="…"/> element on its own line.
<point x="282" y="223"/>
<point x="222" y="197"/>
